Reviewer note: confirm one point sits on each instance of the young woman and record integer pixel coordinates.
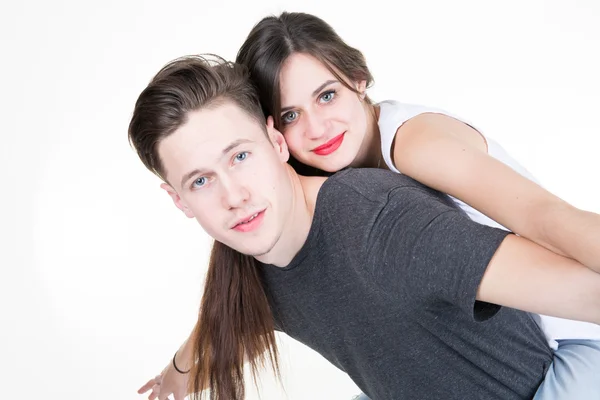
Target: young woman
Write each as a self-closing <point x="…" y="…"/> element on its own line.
<point x="314" y="86"/>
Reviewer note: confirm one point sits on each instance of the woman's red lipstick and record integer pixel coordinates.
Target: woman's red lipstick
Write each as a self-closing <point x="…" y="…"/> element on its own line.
<point x="331" y="146"/>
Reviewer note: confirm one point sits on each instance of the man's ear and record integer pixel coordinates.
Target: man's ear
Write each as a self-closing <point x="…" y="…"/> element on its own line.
<point x="361" y="86"/>
<point x="177" y="200"/>
<point x="277" y="140"/>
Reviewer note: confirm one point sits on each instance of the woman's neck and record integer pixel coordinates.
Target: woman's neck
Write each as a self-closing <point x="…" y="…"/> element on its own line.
<point x="369" y="155"/>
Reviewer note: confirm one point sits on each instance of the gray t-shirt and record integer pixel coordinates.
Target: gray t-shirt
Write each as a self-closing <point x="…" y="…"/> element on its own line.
<point x="385" y="286"/>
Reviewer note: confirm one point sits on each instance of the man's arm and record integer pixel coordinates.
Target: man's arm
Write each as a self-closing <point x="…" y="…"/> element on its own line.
<point x="432" y="252"/>
<point x="528" y="277"/>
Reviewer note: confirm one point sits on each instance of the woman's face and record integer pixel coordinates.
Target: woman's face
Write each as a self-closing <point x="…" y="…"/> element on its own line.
<point x="324" y="123"/>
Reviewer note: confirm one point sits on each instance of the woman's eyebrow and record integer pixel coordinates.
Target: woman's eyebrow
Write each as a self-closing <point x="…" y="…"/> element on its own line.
<point x="314" y="93"/>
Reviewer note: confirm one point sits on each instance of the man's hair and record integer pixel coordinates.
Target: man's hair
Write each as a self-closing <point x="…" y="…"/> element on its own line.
<point x="235" y="322"/>
<point x="184" y="85"/>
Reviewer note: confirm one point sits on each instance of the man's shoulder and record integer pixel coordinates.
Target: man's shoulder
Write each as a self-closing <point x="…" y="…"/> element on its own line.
<point x="383" y="187"/>
<point x="372" y="183"/>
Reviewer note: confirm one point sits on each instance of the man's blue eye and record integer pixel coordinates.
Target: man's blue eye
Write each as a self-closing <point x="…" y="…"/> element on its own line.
<point x="200" y="181"/>
<point x="241" y="156"/>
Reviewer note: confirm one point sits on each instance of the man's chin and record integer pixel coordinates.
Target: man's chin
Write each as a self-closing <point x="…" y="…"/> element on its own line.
<point x="260" y="254"/>
<point x="264" y="253"/>
<point x="256" y="251"/>
<point x="262" y="250"/>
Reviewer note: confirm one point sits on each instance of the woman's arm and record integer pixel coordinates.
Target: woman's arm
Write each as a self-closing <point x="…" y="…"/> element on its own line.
<point x="448" y="155"/>
<point x="170" y="381"/>
<point x="527" y="277"/>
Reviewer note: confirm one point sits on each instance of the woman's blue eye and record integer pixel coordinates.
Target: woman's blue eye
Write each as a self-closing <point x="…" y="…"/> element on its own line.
<point x="328" y="96"/>
<point x="289" y="117"/>
<point x="200" y="182"/>
<point x="241" y="156"/>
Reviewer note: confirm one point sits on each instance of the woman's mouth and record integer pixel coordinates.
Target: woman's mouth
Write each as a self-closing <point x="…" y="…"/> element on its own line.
<point x="331" y="145"/>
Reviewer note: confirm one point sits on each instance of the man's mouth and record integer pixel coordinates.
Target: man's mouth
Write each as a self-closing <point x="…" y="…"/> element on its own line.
<point x="249" y="219"/>
<point x="250" y="223"/>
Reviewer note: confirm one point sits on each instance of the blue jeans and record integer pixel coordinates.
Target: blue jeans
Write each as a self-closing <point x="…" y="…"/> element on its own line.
<point x="573" y="375"/>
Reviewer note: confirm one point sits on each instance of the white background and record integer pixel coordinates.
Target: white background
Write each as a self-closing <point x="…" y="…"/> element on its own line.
<point x="101" y="275"/>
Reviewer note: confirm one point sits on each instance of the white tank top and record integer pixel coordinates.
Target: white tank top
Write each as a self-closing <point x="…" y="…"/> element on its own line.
<point x="392" y="115"/>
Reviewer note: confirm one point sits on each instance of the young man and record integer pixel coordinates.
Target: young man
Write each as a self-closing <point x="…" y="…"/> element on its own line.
<point x="379" y="274"/>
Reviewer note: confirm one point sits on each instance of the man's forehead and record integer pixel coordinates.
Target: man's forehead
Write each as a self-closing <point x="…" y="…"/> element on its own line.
<point x="213" y="128"/>
<point x="218" y="119"/>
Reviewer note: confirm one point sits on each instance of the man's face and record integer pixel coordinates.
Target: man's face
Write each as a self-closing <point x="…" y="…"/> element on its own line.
<point x="224" y="171"/>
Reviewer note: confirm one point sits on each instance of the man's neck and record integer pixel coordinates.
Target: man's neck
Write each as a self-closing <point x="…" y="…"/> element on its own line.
<point x="297" y="226"/>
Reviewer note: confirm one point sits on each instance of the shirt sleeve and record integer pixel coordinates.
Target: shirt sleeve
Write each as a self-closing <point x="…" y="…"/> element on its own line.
<point x="429" y="253"/>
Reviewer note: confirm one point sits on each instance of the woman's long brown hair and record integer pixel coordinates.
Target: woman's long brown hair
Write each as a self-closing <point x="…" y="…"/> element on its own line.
<point x="235" y="325"/>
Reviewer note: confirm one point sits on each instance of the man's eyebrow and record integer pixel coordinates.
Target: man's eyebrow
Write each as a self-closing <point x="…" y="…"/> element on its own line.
<point x="314" y="93"/>
<point x="187" y="176"/>
<point x="233" y="145"/>
<point x="226" y="150"/>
